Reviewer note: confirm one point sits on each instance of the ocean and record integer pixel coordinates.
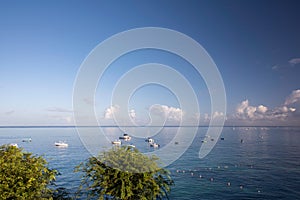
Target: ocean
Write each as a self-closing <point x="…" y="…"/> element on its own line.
<point x="248" y="163"/>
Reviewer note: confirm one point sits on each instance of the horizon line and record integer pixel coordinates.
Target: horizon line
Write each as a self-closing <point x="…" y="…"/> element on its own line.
<point x="115" y="126"/>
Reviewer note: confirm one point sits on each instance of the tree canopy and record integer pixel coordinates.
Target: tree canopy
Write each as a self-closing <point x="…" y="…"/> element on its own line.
<point x="23" y="175"/>
<point x="125" y="173"/>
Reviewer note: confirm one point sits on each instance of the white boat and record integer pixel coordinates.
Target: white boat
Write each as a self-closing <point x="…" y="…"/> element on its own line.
<point x="150" y="140"/>
<point x="26" y="140"/>
<point x="155" y="145"/>
<point x="131" y="145"/>
<point x="125" y="137"/>
<point x="116" y="142"/>
<point x="14" y="145"/>
<point x="61" y="144"/>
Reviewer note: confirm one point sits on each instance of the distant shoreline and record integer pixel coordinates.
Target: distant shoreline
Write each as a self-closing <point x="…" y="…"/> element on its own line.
<point x="134" y="126"/>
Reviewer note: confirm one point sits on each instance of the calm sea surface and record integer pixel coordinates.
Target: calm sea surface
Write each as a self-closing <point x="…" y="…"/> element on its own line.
<point x="250" y="163"/>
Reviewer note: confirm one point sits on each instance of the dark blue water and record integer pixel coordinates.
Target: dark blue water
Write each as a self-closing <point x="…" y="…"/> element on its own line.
<point x="266" y="165"/>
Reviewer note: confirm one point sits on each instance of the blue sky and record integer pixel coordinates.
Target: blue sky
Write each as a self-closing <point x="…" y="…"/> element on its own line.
<point x="255" y="45"/>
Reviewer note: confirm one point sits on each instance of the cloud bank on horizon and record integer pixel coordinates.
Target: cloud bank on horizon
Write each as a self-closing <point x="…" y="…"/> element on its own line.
<point x="288" y="113"/>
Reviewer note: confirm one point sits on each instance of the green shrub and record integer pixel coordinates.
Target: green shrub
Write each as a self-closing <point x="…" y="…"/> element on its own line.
<point x="124" y="173"/>
<point x="23" y="175"/>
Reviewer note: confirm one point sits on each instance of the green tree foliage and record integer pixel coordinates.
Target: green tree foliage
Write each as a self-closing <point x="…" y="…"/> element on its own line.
<point x="23" y="176"/>
<point x="124" y="173"/>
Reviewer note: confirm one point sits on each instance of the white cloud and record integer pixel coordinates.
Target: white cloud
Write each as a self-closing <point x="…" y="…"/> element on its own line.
<point x="242" y="106"/>
<point x="171" y="113"/>
<point x="10" y="112"/>
<point x="206" y="117"/>
<point x="57" y="109"/>
<point x="245" y="111"/>
<point x="197" y="116"/>
<point x="293" y="98"/>
<point x="279" y="113"/>
<point x="262" y="109"/>
<point x="217" y="114"/>
<point x="283" y="109"/>
<point x="69" y="119"/>
<point x="132" y="114"/>
<point x="291" y="63"/>
<point x="88" y="101"/>
<point x="294" y="61"/>
<point x="275" y="67"/>
<point x="61" y="120"/>
<point x="110" y="112"/>
<point x="250" y="110"/>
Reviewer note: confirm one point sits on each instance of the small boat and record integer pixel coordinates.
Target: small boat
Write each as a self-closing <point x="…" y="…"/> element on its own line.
<point x="222" y="138"/>
<point x="125" y="137"/>
<point x="155" y="145"/>
<point x="61" y="144"/>
<point x="131" y="145"/>
<point x="149" y="140"/>
<point x="14" y="145"/>
<point x="116" y="142"/>
<point x="26" y="140"/>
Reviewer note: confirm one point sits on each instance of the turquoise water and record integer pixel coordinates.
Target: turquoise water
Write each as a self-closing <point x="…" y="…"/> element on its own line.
<point x="266" y="165"/>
